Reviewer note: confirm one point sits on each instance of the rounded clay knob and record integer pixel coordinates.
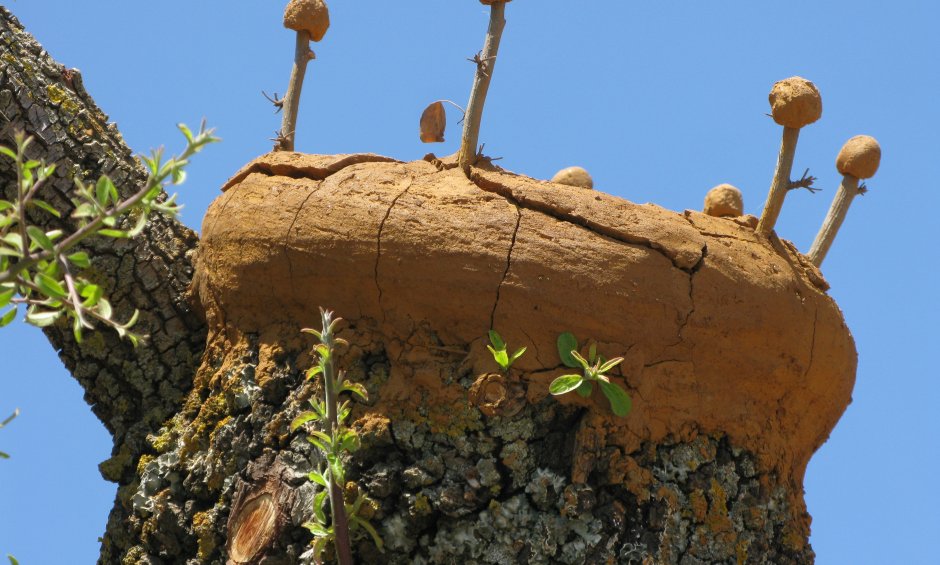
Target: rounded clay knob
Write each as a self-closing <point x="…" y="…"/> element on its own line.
<point x="724" y="201"/>
<point x="795" y="102"/>
<point x="574" y="176"/>
<point x="859" y="157"/>
<point x="311" y="16"/>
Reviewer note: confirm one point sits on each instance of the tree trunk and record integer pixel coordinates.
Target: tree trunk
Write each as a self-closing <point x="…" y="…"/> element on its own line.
<point x="737" y="361"/>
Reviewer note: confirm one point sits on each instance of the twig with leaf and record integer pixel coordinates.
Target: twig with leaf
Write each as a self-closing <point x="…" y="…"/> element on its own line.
<point x="594" y="370"/>
<point x="38" y="267"/>
<point x="500" y="352"/>
<point x="334" y="440"/>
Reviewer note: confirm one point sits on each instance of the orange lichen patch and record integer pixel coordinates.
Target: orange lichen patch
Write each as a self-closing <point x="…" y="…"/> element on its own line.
<point x="728" y="332"/>
<point x="252" y="529"/>
<point x="699" y="505"/>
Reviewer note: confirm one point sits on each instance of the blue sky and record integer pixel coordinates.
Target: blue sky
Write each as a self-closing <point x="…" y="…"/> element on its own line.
<point x="660" y="101"/>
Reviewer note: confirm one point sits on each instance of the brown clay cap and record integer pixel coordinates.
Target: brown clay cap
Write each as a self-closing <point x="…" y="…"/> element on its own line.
<point x="311" y="16"/>
<point x="859" y="157"/>
<point x="724" y="200"/>
<point x="795" y="102"/>
<point x="574" y="176"/>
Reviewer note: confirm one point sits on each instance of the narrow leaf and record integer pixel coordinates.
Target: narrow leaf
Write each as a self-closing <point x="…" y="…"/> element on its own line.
<point x="80" y="260"/>
<point x="376" y="538"/>
<point x="497" y="340"/>
<point x="610" y="364"/>
<point x="302" y="419"/>
<point x="49" y="286"/>
<point x="5" y="297"/>
<point x="8" y="317"/>
<point x="47" y="207"/>
<point x="39" y="237"/>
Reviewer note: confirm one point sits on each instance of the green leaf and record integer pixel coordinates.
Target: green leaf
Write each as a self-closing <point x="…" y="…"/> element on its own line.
<point x="337" y="472"/>
<point x="566" y="344"/>
<point x="585" y="389"/>
<point x="317" y="477"/>
<point x="355" y="388"/>
<point x="592" y="352"/>
<point x="187" y="133"/>
<point x="105" y="191"/>
<point x="319" y="500"/>
<point x="49" y="286"/>
<point x="620" y="401"/>
<point x="499" y="355"/>
<point x="14" y="240"/>
<point x="6" y="296"/>
<point x="581" y="360"/>
<point x="12" y="559"/>
<point x="42" y="319"/>
<point x="5" y="205"/>
<point x="80" y="260"/>
<point x="92" y="293"/>
<point x="318" y="444"/>
<point x="565" y="383"/>
<point x="519" y="353"/>
<point x="47" y="207"/>
<point x="77" y="329"/>
<point x="302" y="419"/>
<point x="8" y="152"/>
<point x="610" y="364"/>
<point x="497" y="340"/>
<point x="8" y="317"/>
<point x="365" y="525"/>
<point x="113" y="233"/>
<point x="317" y="530"/>
<point x="104" y="308"/>
<point x="138" y="227"/>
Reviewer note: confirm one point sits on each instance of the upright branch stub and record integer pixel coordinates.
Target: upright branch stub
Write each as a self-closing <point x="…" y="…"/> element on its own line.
<point x="795" y="102"/>
<point x="310" y="19"/>
<point x="486" y="63"/>
<point x="858" y="159"/>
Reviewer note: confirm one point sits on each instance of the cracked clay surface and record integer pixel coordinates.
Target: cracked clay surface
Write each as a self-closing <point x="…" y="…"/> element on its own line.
<point x="725" y="332"/>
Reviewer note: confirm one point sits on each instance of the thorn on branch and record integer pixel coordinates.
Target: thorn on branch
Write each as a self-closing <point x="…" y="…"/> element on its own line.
<point x="804" y="182"/>
<point x="277" y="102"/>
<point x="481" y="62"/>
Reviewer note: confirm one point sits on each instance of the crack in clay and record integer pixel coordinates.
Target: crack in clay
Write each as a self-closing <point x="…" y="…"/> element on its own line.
<point x="535" y="345"/>
<point x="512" y="245"/>
<point x="812" y="343"/>
<point x="493" y="187"/>
<point x="285" y="250"/>
<point x="378" y="243"/>
<point x="310" y="173"/>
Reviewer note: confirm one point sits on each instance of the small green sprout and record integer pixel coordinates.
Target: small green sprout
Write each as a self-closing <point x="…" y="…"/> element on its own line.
<point x="594" y="369"/>
<point x="500" y="354"/>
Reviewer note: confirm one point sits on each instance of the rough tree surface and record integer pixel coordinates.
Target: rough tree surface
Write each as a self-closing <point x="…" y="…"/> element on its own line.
<point x="738" y="362"/>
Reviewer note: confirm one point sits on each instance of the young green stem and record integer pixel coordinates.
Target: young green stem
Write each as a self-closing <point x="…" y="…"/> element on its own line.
<point x="781" y="183"/>
<point x="302" y="55"/>
<point x="481" y="85"/>
<point x="337" y="502"/>
<point x="840" y="207"/>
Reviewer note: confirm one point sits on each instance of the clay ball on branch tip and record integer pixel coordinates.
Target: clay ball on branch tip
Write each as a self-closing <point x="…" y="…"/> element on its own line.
<point x="574" y="176"/>
<point x="724" y="201"/>
<point x="859" y="157"/>
<point x="795" y="102"/>
<point x="311" y="16"/>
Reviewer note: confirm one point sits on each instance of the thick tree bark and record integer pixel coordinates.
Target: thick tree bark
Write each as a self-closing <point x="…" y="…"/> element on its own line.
<point x="131" y="390"/>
